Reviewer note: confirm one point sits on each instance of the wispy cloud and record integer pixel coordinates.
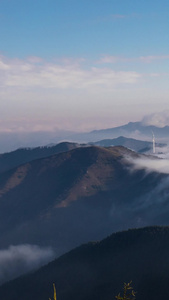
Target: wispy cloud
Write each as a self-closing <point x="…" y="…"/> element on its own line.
<point x="34" y="72"/>
<point x="151" y="58"/>
<point x="110" y="59"/>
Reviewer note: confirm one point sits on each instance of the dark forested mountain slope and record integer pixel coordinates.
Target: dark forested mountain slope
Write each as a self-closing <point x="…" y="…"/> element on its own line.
<point x="80" y="195"/>
<point x="98" y="270"/>
<point x="20" y="156"/>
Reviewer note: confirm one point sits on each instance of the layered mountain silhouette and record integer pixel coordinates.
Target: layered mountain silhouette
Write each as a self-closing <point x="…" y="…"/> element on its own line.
<point x="131" y="130"/>
<point x="98" y="270"/>
<point x="13" y="140"/>
<point x="10" y="141"/>
<point x="20" y="156"/>
<point x="70" y="198"/>
<point x="136" y="145"/>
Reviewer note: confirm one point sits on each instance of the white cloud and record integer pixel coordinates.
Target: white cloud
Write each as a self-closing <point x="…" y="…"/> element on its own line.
<point x="156" y="163"/>
<point x="17" y="260"/>
<point x="152" y="165"/>
<point x="110" y="59"/>
<point x="159" y="119"/>
<point x="4" y="66"/>
<point x="30" y="74"/>
<point x="67" y="91"/>
<point x="150" y="58"/>
<point x="35" y="59"/>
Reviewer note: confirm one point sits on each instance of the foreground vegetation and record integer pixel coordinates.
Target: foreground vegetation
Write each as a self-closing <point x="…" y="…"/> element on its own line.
<point x="128" y="292"/>
<point x="54" y="292"/>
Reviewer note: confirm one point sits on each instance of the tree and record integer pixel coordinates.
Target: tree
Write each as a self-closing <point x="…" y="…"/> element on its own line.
<point x="128" y="292"/>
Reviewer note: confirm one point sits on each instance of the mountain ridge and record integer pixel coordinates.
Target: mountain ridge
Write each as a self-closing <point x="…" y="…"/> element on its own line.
<point x="24" y="155"/>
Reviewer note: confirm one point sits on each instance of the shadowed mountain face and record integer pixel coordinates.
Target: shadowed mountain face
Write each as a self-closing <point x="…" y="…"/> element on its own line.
<point x="20" y="156"/>
<point x="73" y="197"/>
<point x="98" y="270"/>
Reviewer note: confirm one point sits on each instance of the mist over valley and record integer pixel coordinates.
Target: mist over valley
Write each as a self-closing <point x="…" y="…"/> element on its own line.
<point x="67" y="194"/>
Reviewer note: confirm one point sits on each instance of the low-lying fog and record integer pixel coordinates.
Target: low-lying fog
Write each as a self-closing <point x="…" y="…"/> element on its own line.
<point x="20" y="259"/>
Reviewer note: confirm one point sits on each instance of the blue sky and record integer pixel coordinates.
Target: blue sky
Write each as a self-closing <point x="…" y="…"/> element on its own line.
<point x="82" y="65"/>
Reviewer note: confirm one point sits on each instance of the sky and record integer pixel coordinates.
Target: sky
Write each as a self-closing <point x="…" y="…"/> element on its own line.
<point x="80" y="65"/>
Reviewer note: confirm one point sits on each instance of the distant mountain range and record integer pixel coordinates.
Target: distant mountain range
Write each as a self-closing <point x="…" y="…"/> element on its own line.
<point x="133" y="144"/>
<point x="72" y="197"/>
<point x="12" y="141"/>
<point x="131" y="130"/>
<point x="98" y="270"/>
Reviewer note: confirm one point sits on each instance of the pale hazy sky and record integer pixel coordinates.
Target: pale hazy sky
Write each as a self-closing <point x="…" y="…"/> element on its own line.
<point x="82" y="64"/>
